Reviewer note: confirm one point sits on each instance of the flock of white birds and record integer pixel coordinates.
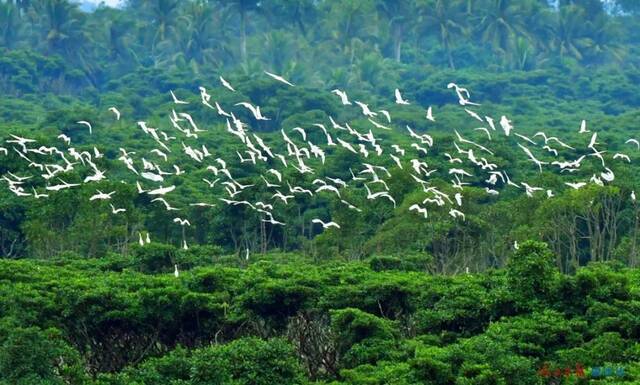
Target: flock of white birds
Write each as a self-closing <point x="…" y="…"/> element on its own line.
<point x="469" y="160"/>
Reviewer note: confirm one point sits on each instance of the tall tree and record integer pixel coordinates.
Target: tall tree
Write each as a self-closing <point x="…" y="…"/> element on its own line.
<point x="568" y="38"/>
<point x="242" y="7"/>
<point x="63" y="26"/>
<point x="444" y="18"/>
<point x="399" y="15"/>
<point x="10" y="25"/>
<point x="284" y="13"/>
<point x="164" y="13"/>
<point x="501" y="23"/>
<point x="603" y="44"/>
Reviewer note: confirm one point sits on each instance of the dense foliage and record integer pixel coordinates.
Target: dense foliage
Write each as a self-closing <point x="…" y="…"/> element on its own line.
<point x="82" y="303"/>
<point x="288" y="320"/>
<point x="545" y="67"/>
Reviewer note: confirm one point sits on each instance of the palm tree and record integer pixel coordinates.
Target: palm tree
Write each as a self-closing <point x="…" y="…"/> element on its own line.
<point x="538" y="18"/>
<point x="350" y="23"/>
<point x="592" y="8"/>
<point x="198" y="32"/>
<point x="604" y="41"/>
<point x="63" y="26"/>
<point x="501" y="24"/>
<point x="10" y="25"/>
<point x="525" y="56"/>
<point x="284" y="13"/>
<point x="192" y="39"/>
<point x="568" y="37"/>
<point x="399" y="15"/>
<point x="242" y="7"/>
<point x="278" y="49"/>
<point x="444" y="18"/>
<point x="117" y="42"/>
<point x="164" y="15"/>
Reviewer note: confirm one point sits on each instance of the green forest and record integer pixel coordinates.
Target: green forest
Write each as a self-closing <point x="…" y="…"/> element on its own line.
<point x="323" y="192"/>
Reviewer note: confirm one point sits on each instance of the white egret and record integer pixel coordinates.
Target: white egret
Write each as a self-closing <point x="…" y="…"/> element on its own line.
<point x="325" y="225"/>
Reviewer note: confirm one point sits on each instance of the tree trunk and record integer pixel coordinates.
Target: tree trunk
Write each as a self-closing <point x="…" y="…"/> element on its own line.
<point x="243" y="36"/>
<point x="447" y="47"/>
<point x="397" y="42"/>
<point x="632" y="257"/>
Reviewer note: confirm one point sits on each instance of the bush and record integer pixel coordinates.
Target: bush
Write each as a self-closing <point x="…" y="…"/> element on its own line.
<point x="246" y="361"/>
<point x="362" y="338"/>
<point x="531" y="274"/>
<point x="31" y="356"/>
<point x="154" y="257"/>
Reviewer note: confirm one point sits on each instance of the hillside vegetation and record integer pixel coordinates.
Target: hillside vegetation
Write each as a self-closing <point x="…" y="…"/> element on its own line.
<point x="524" y="281"/>
<point x="287" y="320"/>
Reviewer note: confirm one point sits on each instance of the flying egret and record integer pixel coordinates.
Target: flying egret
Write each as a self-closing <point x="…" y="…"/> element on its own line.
<point x="115" y="210"/>
<point x="622" y="156"/>
<point x="506" y="125"/>
<point x="115" y="111"/>
<point x="255" y="110"/>
<point x="86" y="124"/>
<point x="463" y="95"/>
<point x="365" y="109"/>
<point x="583" y="127"/>
<point x="457" y="214"/>
<point x="325" y="225"/>
<point x="532" y="158"/>
<point x="101" y="196"/>
<point x="162" y="190"/>
<point x="343" y="96"/>
<point x="399" y="99"/>
<point x="176" y="100"/>
<point x="226" y="84"/>
<point x="279" y="78"/>
<point x="167" y="206"/>
<point x="430" y="114"/>
<point x="386" y="115"/>
<point x="575" y="185"/>
<point x="419" y="209"/>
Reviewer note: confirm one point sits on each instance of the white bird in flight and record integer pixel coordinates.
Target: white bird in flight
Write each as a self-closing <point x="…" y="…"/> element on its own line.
<point x="430" y="114"/>
<point x="506" y="125"/>
<point x="161" y="190"/>
<point x="115" y="210"/>
<point x="101" y="196"/>
<point x="419" y="209"/>
<point x="399" y="99"/>
<point x="176" y="100"/>
<point x="279" y="78"/>
<point x="575" y="185"/>
<point x="634" y="141"/>
<point x="463" y="95"/>
<point x="457" y="214"/>
<point x="115" y="111"/>
<point x="65" y="139"/>
<point x="226" y="84"/>
<point x="86" y="124"/>
<point x="342" y="95"/>
<point x="255" y="110"/>
<point x="325" y="225"/>
<point x="182" y="222"/>
<point x="583" y="127"/>
<point x="365" y="109"/>
<point x="532" y="158"/>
